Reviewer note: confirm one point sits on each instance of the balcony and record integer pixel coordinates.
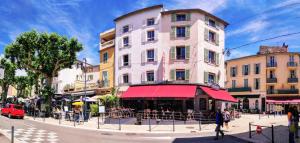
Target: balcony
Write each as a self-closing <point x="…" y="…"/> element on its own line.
<point x="293" y="80"/>
<point x="239" y="89"/>
<point x="272" y="80"/>
<point x="272" y="65"/>
<point x="283" y="91"/>
<point x="292" y="64"/>
<point x="107" y="44"/>
<point x="103" y="83"/>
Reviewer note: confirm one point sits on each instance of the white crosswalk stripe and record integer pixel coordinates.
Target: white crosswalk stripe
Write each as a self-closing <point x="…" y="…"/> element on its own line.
<point x="34" y="135"/>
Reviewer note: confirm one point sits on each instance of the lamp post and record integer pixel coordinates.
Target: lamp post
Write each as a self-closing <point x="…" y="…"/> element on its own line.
<point x="84" y="68"/>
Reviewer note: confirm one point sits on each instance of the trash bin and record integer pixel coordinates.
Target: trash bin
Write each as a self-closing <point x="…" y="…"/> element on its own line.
<point x="138" y="119"/>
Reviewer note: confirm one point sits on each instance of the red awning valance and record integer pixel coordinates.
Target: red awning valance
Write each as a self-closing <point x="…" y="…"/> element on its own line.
<point x="292" y="101"/>
<point x="160" y="91"/>
<point x="218" y="94"/>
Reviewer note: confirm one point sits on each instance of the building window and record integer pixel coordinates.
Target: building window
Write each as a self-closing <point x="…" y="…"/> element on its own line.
<point x="150" y="35"/>
<point x="150" y="76"/>
<point x="233" y="83"/>
<point x="272" y="74"/>
<point x="211" y="78"/>
<point x="211" y="23"/>
<point x="245" y="82"/>
<point x="180" y="31"/>
<point x="105" y="57"/>
<point x="125" y="60"/>
<point x="150" y="21"/>
<point x="211" y="57"/>
<point x="150" y="55"/>
<point x="126" y="41"/>
<point x="125" y="78"/>
<point x="212" y="36"/>
<point x="180" y="74"/>
<point x="292" y="74"/>
<point x="233" y="71"/>
<point x="257" y="68"/>
<point x="181" y="17"/>
<point x="180" y="53"/>
<point x="291" y="58"/>
<point x="256" y="83"/>
<point x="105" y="78"/>
<point x="246" y="69"/>
<point x="125" y="28"/>
<point x="293" y="87"/>
<point x="202" y="103"/>
<point x="272" y="61"/>
<point x="90" y="77"/>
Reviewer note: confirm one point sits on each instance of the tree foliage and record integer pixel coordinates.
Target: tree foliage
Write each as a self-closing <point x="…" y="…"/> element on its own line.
<point x="9" y="77"/>
<point x="44" y="54"/>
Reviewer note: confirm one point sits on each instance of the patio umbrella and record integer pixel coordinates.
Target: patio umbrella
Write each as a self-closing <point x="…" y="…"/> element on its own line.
<point x="77" y="103"/>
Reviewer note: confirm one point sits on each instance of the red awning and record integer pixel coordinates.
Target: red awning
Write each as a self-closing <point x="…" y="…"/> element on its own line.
<point x="218" y="94"/>
<point x="160" y="91"/>
<point x="292" y="101"/>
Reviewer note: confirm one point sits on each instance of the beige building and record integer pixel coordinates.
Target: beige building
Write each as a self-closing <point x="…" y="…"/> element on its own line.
<point x="265" y="80"/>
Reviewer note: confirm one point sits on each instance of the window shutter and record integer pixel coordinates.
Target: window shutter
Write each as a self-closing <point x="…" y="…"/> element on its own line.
<point x="120" y="43"/>
<point x="155" y="75"/>
<point x="231" y="71"/>
<point x="187" y="74"/>
<point x="155" y="55"/>
<point x="216" y="79"/>
<point x="206" y="20"/>
<point x="249" y="69"/>
<point x="145" y="22"/>
<point x="206" y="34"/>
<point x="143" y="77"/>
<point x="129" y="78"/>
<point x="218" y="25"/>
<point x="217" y="59"/>
<point x="173" y="17"/>
<point x="130" y="27"/>
<point x="143" y="36"/>
<point x="143" y="58"/>
<point x="205" y="77"/>
<point x="187" y="52"/>
<point x="188" y="16"/>
<point x="173" y="32"/>
<point x="120" y="62"/>
<point x="172" y="53"/>
<point x="121" y="31"/>
<point x="206" y="55"/>
<point x="155" y="35"/>
<point x="243" y="69"/>
<point x="172" y="74"/>
<point x="217" y="39"/>
<point x="129" y="41"/>
<point x="187" y="31"/>
<point x="236" y="71"/>
<point x="129" y="59"/>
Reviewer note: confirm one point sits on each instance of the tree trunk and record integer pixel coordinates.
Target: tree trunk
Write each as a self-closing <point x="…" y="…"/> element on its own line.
<point x="4" y="94"/>
<point x="50" y="94"/>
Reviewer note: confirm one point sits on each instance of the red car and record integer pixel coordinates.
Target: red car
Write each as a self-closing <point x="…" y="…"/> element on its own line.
<point x="13" y="110"/>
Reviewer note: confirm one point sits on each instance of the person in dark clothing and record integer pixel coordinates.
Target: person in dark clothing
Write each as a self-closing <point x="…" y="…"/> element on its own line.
<point x="219" y="122"/>
<point x="296" y="121"/>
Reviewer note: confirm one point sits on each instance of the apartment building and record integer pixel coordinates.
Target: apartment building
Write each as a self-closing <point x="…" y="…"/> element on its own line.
<point x="107" y="47"/>
<point x="177" y="45"/>
<point x="159" y="52"/>
<point x="266" y="80"/>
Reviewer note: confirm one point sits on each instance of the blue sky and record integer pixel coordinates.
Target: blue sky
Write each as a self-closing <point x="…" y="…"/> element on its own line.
<point x="250" y="20"/>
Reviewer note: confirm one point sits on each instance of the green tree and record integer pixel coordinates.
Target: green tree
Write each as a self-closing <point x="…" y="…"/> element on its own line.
<point x="44" y="54"/>
<point x="9" y="77"/>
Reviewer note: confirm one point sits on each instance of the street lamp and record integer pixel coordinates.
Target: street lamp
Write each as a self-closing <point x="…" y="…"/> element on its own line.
<point x="84" y="68"/>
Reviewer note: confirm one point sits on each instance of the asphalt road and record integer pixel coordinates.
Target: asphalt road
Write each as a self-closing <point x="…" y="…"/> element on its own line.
<point x="36" y="132"/>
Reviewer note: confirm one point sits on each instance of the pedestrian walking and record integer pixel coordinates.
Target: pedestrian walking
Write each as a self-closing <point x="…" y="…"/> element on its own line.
<point x="219" y="122"/>
<point x="226" y="118"/>
<point x="296" y="121"/>
<point x="291" y="126"/>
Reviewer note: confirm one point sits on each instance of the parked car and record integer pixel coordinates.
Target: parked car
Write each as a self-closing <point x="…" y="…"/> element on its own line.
<point x="13" y="110"/>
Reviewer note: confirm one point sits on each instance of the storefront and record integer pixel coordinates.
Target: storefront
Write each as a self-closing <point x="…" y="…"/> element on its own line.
<point x="282" y="104"/>
<point x="175" y="97"/>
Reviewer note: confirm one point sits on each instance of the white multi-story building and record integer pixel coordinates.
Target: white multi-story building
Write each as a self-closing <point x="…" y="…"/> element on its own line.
<point x="156" y="45"/>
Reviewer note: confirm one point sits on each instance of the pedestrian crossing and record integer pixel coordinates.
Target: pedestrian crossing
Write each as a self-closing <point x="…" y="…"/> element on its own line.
<point x="34" y="135"/>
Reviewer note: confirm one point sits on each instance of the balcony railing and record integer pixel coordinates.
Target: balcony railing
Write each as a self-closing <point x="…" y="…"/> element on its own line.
<point x="108" y="44"/>
<point x="239" y="89"/>
<point x="283" y="91"/>
<point x="292" y="64"/>
<point x="272" y="80"/>
<point x="292" y="80"/>
<point x="273" y="64"/>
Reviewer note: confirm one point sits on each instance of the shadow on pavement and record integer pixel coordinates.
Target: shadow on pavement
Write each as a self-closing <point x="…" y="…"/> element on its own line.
<point x="226" y="139"/>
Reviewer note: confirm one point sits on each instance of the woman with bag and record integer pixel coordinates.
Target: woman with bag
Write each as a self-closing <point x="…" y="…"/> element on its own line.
<point x="226" y="118"/>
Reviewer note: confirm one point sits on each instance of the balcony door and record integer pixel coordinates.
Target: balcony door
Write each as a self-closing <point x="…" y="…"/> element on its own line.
<point x="272" y="60"/>
<point x="105" y="78"/>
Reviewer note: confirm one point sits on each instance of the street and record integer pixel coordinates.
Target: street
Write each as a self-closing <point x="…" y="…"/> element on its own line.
<point x="35" y="132"/>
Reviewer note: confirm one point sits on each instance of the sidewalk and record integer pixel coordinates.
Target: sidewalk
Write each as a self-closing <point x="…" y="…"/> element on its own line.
<point x="3" y="138"/>
<point x="238" y="128"/>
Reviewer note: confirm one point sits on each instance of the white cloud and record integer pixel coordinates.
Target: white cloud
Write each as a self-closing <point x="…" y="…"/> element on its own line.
<point x="237" y="54"/>
<point x="251" y="27"/>
<point x="207" y="5"/>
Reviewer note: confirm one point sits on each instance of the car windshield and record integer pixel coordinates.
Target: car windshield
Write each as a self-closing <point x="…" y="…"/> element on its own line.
<point x="18" y="107"/>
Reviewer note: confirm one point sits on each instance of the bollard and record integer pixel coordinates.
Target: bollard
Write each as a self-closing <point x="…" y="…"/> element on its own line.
<point x="199" y="124"/>
<point x="102" y="118"/>
<point x="268" y="115"/>
<point x="74" y="120"/>
<point x="258" y="116"/>
<point x="98" y="120"/>
<point x="149" y="124"/>
<point x="119" y="123"/>
<point x="59" y="118"/>
<point x="274" y="114"/>
<point x="33" y="114"/>
<point x="249" y="130"/>
<point x="272" y="133"/>
<point x="12" y="134"/>
<point x="44" y="117"/>
<point x="173" y="123"/>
